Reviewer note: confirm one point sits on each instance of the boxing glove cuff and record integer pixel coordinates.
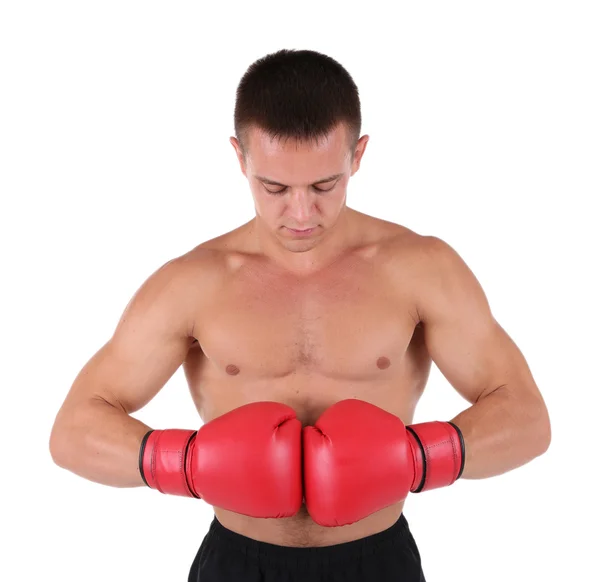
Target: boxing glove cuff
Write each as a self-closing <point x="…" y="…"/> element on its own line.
<point x="439" y="454"/>
<point x="164" y="460"/>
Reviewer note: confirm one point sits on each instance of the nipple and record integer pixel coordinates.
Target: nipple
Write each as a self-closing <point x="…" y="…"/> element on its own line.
<point x="383" y="363"/>
<point x="232" y="370"/>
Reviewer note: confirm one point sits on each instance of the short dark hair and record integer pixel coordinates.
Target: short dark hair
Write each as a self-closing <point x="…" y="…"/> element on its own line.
<point x="298" y="94"/>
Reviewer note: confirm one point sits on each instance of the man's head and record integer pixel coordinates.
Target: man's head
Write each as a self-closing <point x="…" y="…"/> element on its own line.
<point x="297" y="122"/>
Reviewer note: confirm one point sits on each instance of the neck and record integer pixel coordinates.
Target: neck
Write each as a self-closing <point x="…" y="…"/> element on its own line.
<point x="303" y="257"/>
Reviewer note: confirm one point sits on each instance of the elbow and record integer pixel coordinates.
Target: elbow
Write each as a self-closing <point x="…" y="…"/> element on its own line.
<point x="65" y="432"/>
<point x="58" y="445"/>
<point x="548" y="438"/>
<point x="544" y="432"/>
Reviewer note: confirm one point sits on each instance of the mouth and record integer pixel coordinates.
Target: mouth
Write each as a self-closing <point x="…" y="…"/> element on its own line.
<point x="303" y="232"/>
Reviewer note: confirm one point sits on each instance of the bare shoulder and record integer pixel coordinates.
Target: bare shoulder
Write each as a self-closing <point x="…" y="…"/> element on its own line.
<point x="397" y="243"/>
<point x="200" y="269"/>
<point x="424" y="254"/>
<point x="208" y="264"/>
<point x="376" y="238"/>
<point x="443" y="285"/>
<point x="222" y="251"/>
<point x="422" y="266"/>
<point x="400" y="246"/>
<point x="439" y="261"/>
<point x="169" y="295"/>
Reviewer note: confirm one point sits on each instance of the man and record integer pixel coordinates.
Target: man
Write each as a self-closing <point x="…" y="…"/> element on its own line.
<point x="306" y="336"/>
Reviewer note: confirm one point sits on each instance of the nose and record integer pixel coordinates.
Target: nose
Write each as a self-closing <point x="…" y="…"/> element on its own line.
<point x="300" y="206"/>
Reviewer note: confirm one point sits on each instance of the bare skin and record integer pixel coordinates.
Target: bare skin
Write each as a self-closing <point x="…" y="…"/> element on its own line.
<point x="358" y="309"/>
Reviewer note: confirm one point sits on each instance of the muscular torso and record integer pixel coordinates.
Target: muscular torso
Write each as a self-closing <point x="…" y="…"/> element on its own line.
<point x="348" y="331"/>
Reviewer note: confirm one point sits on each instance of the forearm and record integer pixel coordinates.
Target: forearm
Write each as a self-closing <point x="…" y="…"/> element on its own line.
<point x="502" y="432"/>
<point x="101" y="443"/>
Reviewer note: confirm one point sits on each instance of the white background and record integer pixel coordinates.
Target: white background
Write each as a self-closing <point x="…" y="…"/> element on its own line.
<point x="114" y="157"/>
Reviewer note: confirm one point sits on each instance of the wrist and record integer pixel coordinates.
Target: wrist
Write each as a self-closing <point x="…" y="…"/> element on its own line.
<point x="164" y="461"/>
<point x="438" y="452"/>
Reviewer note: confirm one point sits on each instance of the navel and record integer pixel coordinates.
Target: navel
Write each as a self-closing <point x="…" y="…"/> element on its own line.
<point x="383" y="363"/>
<point x="232" y="370"/>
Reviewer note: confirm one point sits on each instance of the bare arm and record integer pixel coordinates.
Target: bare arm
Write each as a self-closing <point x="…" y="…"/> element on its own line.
<point x="93" y="434"/>
<point x="507" y="424"/>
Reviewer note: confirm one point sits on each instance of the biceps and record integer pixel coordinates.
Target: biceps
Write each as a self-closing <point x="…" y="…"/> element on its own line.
<point x="468" y="345"/>
<point x="149" y="344"/>
<point x="475" y="356"/>
<point x="134" y="373"/>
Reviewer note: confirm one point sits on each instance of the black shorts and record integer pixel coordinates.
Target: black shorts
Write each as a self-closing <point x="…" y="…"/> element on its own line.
<point x="226" y="556"/>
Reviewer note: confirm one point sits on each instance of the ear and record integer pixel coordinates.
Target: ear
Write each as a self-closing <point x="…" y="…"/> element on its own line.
<point x="239" y="154"/>
<point x="358" y="153"/>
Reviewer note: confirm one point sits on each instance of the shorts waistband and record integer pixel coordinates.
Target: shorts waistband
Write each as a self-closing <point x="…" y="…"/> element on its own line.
<point x="318" y="557"/>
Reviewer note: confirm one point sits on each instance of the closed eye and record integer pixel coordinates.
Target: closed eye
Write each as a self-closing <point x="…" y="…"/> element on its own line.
<point x="282" y="190"/>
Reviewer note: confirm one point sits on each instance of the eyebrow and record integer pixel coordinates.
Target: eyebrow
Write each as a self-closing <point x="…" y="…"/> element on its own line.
<point x="322" y="181"/>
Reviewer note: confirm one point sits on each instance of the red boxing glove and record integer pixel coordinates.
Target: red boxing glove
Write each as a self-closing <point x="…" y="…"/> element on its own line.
<point x="247" y="460"/>
<point x="359" y="458"/>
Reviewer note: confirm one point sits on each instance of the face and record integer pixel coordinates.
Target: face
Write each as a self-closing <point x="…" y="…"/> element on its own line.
<point x="299" y="188"/>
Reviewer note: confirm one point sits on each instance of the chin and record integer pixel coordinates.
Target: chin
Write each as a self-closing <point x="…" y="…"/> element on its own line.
<point x="299" y="246"/>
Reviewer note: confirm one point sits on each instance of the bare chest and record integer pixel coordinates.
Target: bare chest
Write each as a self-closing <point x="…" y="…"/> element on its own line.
<point x="348" y="325"/>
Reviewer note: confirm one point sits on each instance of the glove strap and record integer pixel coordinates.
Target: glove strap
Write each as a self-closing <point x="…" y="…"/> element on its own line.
<point x="439" y="454"/>
<point x="164" y="459"/>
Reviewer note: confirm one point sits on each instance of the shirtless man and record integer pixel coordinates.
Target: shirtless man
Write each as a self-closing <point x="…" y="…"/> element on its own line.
<point x="311" y="313"/>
